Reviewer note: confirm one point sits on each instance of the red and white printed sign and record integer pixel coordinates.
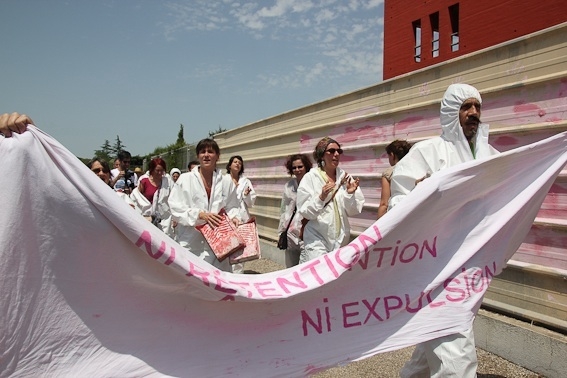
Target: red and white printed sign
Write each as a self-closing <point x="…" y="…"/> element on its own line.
<point x="224" y="239"/>
<point x="249" y="232"/>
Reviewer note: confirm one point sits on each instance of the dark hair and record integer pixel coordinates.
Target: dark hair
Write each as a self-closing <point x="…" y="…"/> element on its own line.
<point x="399" y="148"/>
<point x="206" y="143"/>
<point x="123" y="154"/>
<point x="320" y="148"/>
<point x="304" y="159"/>
<point x="192" y="162"/>
<point x="230" y="163"/>
<point x="104" y="163"/>
<point x="155" y="162"/>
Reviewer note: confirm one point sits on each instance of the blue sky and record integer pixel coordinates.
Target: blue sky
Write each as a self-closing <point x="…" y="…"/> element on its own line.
<point x="88" y="70"/>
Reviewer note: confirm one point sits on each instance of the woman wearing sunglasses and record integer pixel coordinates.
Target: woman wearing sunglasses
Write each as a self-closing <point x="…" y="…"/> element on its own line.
<point x="326" y="197"/>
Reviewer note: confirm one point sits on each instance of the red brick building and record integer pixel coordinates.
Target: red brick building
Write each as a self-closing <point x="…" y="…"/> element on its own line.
<point x="418" y="34"/>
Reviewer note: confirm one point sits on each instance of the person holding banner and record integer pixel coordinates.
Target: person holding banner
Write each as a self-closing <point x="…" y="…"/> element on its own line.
<point x="464" y="138"/>
<point x="297" y="166"/>
<point x="196" y="199"/>
<point x="326" y="197"/>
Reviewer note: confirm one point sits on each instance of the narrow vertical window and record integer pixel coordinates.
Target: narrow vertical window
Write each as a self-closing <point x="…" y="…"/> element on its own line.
<point x="454" y="16"/>
<point x="417" y="38"/>
<point x="434" y="21"/>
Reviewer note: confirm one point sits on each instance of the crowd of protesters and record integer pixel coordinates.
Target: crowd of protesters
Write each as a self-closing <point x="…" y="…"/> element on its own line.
<point x="316" y="203"/>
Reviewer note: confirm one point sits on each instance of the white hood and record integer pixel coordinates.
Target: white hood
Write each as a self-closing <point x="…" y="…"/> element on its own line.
<point x="447" y="150"/>
<point x="452" y="131"/>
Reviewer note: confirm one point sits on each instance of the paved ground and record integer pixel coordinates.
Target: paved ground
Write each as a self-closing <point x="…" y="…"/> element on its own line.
<point x="389" y="364"/>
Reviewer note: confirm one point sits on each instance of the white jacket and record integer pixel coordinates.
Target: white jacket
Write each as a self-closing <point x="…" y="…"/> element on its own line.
<point x="237" y="203"/>
<point x="162" y="207"/>
<point x="289" y="201"/>
<point x="328" y="228"/>
<point x="187" y="199"/>
<point x="448" y="149"/>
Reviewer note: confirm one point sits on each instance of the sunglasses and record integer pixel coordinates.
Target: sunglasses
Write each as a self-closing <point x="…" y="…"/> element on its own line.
<point x="333" y="150"/>
<point x="297" y="167"/>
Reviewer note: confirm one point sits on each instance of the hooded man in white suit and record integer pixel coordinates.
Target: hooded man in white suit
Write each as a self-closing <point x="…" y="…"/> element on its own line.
<point x="464" y="138"/>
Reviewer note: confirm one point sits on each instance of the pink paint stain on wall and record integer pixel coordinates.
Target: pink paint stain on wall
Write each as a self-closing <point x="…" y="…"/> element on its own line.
<point x="554" y="120"/>
<point x="251" y="164"/>
<point x="353" y="134"/>
<point x="305" y="140"/>
<point x="506" y="140"/>
<point x="563" y="88"/>
<point x="345" y="159"/>
<point x="408" y="122"/>
<point x="558" y="188"/>
<point x="531" y="108"/>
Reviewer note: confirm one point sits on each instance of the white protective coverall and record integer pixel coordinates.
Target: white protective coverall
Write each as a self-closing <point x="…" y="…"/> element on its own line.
<point x="146" y="208"/>
<point x="453" y="355"/>
<point x="294" y="244"/>
<point x="237" y="203"/>
<point x="186" y="200"/>
<point x="448" y="149"/>
<point x="328" y="228"/>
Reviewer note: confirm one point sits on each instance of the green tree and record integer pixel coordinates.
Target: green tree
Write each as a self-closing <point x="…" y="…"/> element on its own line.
<point x="85" y="161"/>
<point x="118" y="146"/>
<point x="215" y="132"/>
<point x="136" y="161"/>
<point x="180" y="139"/>
<point x="106" y="152"/>
<point x="175" y="154"/>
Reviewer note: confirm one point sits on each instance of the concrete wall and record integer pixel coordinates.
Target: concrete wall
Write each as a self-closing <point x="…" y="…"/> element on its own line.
<point x="524" y="88"/>
<point x="535" y="348"/>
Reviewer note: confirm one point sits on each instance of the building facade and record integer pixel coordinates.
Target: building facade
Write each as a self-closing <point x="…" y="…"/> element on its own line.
<point x="419" y="34"/>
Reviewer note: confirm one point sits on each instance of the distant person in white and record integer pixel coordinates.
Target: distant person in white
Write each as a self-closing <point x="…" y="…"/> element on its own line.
<point x="240" y="196"/>
<point x="241" y="193"/>
<point x="464" y="138"/>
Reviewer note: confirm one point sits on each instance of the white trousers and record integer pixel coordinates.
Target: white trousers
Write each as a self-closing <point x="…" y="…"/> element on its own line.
<point x="292" y="253"/>
<point x="448" y="356"/>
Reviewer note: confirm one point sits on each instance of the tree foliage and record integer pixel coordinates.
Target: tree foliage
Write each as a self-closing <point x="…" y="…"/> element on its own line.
<point x="180" y="139"/>
<point x="175" y="154"/>
<point x="106" y="152"/>
<point x="215" y="132"/>
<point x="118" y="146"/>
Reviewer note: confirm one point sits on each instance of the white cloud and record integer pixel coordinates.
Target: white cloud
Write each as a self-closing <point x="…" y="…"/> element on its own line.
<point x="248" y="17"/>
<point x="334" y="38"/>
<point x="324" y="15"/>
<point x="373" y="4"/>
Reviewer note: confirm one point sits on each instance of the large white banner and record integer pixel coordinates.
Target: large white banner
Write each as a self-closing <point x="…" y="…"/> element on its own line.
<point x="90" y="288"/>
